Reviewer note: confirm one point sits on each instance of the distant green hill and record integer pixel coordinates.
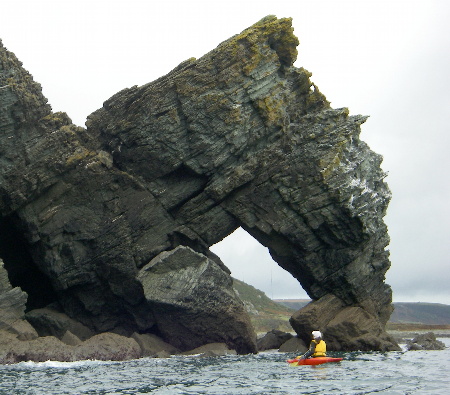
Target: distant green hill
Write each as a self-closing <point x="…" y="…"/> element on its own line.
<point x="407" y="313"/>
<point x="293" y="304"/>
<point x="267" y="314"/>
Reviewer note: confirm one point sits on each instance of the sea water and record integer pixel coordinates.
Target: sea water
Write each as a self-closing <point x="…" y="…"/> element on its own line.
<point x="407" y="372"/>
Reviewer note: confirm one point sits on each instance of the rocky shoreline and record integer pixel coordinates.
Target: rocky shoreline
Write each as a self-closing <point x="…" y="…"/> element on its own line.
<point x="403" y="336"/>
<point x="103" y="347"/>
<point x="289" y="342"/>
<point x="49" y="334"/>
<point x="114" y="347"/>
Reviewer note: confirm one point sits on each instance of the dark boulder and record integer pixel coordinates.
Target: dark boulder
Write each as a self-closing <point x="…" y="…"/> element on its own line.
<point x="211" y="350"/>
<point x="344" y="328"/>
<point x="189" y="292"/>
<point x="237" y="138"/>
<point x="49" y="321"/>
<point x="153" y="346"/>
<point x="70" y="339"/>
<point x="273" y="340"/>
<point x="108" y="347"/>
<point x="295" y="344"/>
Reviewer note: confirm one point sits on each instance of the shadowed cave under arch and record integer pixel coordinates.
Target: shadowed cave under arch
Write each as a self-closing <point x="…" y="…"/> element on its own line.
<point x="22" y="271"/>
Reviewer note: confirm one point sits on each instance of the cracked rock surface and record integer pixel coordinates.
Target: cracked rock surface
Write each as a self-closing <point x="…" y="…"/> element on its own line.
<point x="237" y="138"/>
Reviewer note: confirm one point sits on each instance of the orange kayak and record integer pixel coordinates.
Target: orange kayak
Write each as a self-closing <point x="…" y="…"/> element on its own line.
<point x="312" y="361"/>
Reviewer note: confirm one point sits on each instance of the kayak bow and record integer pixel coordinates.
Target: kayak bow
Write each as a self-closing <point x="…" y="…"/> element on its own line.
<point x="312" y="361"/>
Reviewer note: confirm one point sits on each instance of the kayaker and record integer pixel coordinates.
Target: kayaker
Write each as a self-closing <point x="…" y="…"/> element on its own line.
<point x="317" y="347"/>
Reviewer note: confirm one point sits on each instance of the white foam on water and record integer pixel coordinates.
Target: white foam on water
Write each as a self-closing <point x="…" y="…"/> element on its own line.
<point x="64" y="365"/>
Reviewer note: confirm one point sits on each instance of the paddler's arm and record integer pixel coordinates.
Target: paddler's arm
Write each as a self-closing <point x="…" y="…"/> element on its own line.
<point x="307" y="354"/>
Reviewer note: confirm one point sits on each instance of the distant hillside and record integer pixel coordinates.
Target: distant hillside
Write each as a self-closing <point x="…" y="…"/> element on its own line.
<point x="294" y="304"/>
<point x="421" y="313"/>
<point x="408" y="313"/>
<point x="267" y="314"/>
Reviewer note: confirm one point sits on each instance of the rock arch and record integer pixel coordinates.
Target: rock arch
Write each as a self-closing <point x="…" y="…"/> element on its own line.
<point x="250" y="262"/>
<point x="237" y="138"/>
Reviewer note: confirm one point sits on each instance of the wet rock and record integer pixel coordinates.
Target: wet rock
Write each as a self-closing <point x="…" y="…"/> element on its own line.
<point x="41" y="349"/>
<point x="108" y="347"/>
<point x="344" y="328"/>
<point x="70" y="339"/>
<point x="51" y="322"/>
<point x="426" y="341"/>
<point x="211" y="350"/>
<point x="105" y="346"/>
<point x="154" y="346"/>
<point x="273" y="340"/>
<point x="294" y="344"/>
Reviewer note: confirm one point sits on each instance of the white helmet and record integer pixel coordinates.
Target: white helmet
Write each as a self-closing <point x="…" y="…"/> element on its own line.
<point x="316" y="334"/>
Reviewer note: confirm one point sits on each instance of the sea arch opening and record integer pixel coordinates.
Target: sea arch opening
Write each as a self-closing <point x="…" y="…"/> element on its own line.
<point x="250" y="262"/>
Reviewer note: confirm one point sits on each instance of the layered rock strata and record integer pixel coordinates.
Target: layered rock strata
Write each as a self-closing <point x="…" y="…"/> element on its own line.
<point x="237" y="138"/>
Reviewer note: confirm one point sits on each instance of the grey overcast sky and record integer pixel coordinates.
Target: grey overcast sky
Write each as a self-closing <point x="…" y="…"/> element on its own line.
<point x="389" y="59"/>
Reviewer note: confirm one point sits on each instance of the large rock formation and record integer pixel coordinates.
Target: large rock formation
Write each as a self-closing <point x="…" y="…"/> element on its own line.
<point x="237" y="138"/>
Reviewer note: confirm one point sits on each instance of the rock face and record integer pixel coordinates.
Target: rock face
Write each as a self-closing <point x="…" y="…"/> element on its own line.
<point x="237" y="138"/>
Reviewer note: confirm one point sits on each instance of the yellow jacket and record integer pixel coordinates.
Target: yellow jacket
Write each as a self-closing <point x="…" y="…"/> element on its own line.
<point x="320" y="350"/>
<point x="316" y="349"/>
